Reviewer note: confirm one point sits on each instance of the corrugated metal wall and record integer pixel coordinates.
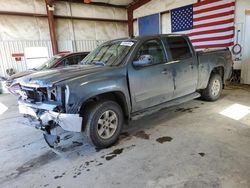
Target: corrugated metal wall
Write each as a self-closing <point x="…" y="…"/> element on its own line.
<point x="7" y="48"/>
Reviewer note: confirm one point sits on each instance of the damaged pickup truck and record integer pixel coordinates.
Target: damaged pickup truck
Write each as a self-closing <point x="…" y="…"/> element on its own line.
<point x="123" y="79"/>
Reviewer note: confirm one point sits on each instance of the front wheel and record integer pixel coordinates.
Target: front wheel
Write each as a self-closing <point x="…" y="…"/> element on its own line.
<point x="104" y="122"/>
<point x="214" y="88"/>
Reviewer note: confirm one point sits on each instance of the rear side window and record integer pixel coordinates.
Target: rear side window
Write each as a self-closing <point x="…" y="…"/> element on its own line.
<point x="178" y="48"/>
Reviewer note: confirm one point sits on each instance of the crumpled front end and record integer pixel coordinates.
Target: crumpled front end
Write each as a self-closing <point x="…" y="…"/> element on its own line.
<point x="45" y="109"/>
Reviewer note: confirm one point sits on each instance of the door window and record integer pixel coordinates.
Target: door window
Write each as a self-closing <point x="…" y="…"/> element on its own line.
<point x="69" y="61"/>
<point x="153" y="48"/>
<point x="178" y="48"/>
<point x="78" y="59"/>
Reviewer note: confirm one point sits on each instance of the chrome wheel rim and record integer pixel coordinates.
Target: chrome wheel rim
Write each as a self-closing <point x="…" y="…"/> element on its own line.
<point x="107" y="124"/>
<point x="216" y="87"/>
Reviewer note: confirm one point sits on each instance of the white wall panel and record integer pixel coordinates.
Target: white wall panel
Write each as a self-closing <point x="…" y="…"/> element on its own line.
<point x="23" y="28"/>
<point x="240" y="18"/>
<point x="63" y="29"/>
<point x="105" y="30"/>
<point x="120" y="14"/>
<point x="31" y="28"/>
<point x="90" y="11"/>
<point x="122" y="30"/>
<point x="61" y="9"/>
<point x="17" y="6"/>
<point x="165" y="23"/>
<point x="39" y="6"/>
<point x="135" y="24"/>
<point x="82" y="10"/>
<point x="84" y="30"/>
<point x="157" y="6"/>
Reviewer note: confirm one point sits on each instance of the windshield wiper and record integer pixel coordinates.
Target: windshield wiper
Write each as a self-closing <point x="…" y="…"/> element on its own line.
<point x="93" y="63"/>
<point x="98" y="63"/>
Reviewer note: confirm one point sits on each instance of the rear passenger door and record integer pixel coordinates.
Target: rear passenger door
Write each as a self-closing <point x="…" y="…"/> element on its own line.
<point x="185" y="68"/>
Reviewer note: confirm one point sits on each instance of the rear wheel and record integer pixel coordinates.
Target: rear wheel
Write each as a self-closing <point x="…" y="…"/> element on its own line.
<point x="214" y="88"/>
<point x="103" y="123"/>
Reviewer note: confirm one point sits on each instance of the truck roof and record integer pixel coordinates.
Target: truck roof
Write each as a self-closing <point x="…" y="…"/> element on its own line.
<point x="139" y="38"/>
<point x="160" y="35"/>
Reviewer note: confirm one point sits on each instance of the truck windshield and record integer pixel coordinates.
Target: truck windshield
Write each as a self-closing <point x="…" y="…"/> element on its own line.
<point x="111" y="54"/>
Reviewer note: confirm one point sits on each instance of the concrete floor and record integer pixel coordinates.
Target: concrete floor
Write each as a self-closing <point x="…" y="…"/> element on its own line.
<point x="191" y="145"/>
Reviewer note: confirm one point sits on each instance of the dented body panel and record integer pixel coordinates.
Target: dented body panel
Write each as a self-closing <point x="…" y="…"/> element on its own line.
<point x="58" y="95"/>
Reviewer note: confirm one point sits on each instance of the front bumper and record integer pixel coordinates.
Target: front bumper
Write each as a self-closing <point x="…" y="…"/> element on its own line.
<point x="43" y="114"/>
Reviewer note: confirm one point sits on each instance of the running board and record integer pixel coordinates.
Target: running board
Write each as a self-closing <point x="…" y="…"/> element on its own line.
<point x="151" y="110"/>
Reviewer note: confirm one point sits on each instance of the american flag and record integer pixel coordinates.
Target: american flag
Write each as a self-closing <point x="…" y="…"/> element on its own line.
<point x="209" y="23"/>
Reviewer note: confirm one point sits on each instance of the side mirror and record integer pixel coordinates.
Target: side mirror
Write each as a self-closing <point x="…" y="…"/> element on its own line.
<point x="143" y="61"/>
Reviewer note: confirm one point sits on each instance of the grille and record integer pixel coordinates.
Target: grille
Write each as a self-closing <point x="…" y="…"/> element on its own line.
<point x="35" y="95"/>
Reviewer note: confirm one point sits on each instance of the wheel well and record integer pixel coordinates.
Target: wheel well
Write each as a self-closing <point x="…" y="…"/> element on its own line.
<point x="220" y="71"/>
<point x="116" y="96"/>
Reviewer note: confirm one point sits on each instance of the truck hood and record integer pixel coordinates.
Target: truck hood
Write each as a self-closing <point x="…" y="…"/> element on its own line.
<point x="50" y="77"/>
<point x="20" y="74"/>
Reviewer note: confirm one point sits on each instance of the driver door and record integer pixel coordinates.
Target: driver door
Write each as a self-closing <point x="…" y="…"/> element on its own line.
<point x="153" y="84"/>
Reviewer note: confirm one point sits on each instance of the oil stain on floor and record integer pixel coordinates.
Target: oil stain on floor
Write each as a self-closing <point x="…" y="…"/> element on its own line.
<point x="33" y="164"/>
<point x="142" y="134"/>
<point x="202" y="154"/>
<point x="164" y="139"/>
<point x="190" y="110"/>
<point x="113" y="154"/>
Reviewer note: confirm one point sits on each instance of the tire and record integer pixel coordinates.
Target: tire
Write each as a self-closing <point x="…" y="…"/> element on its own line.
<point x="102" y="117"/>
<point x="214" y="88"/>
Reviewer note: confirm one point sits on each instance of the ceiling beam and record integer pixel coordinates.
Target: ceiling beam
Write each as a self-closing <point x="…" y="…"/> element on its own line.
<point x="52" y="27"/>
<point x="95" y="3"/>
<point x="61" y="17"/>
<point x="137" y="4"/>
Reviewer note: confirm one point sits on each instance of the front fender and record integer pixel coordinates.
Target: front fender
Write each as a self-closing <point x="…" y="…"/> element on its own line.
<point x="86" y="90"/>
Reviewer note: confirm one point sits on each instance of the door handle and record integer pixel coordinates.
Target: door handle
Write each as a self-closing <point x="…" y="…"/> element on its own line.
<point x="165" y="71"/>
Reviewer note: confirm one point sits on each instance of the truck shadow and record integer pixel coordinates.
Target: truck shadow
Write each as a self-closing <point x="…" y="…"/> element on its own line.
<point x="75" y="148"/>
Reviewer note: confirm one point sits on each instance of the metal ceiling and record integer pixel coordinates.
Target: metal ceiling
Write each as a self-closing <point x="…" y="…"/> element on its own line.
<point x="114" y="2"/>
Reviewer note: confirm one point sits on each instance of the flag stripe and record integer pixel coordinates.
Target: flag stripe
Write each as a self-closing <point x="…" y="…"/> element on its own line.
<point x="213" y="12"/>
<point x="195" y="8"/>
<point x="205" y="3"/>
<point x="214" y="8"/>
<point x="211" y="31"/>
<point x="213" y="38"/>
<point x="212" y="42"/>
<point x="211" y="28"/>
<point x="214" y="45"/>
<point x="214" y="20"/>
<point x="231" y="32"/>
<point x="231" y="12"/>
<point x="213" y="23"/>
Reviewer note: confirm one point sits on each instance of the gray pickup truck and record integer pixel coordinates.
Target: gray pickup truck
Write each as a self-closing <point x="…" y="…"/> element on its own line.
<point x="120" y="80"/>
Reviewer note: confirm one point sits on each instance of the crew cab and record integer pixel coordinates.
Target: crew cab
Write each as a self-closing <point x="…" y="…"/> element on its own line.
<point x="122" y="79"/>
